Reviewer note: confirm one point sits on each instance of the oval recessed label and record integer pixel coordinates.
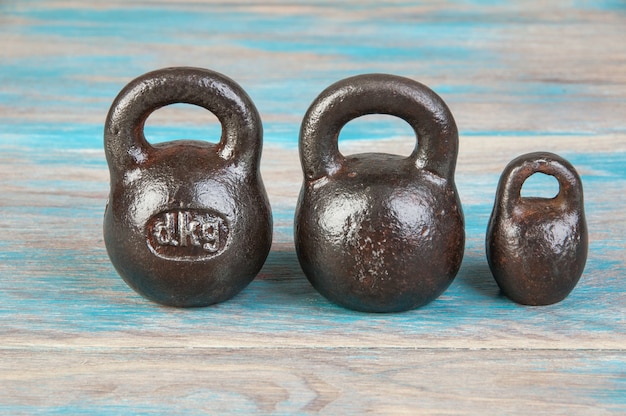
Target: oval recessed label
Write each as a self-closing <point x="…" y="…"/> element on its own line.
<point x="186" y="234"/>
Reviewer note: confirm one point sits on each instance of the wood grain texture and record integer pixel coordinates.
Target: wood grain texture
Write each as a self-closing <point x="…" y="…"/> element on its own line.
<point x="519" y="77"/>
<point x="294" y="381"/>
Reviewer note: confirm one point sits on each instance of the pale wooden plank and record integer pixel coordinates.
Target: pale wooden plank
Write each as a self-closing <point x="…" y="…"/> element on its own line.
<point x="537" y="67"/>
<point x="295" y="381"/>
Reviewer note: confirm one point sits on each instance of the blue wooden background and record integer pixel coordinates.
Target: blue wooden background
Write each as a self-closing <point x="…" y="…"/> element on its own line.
<point x="518" y="76"/>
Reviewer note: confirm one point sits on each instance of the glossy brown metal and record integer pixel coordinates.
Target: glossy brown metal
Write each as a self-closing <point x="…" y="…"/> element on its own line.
<point x="187" y="223"/>
<point x="379" y="232"/>
<point x="537" y="247"/>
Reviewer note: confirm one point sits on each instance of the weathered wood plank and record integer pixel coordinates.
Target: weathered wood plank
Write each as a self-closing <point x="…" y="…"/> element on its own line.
<point x="295" y="381"/>
<point x="536" y="67"/>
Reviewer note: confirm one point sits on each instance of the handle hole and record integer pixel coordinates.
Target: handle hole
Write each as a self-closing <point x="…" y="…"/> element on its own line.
<point x="182" y="122"/>
<point x="377" y="133"/>
<point x="540" y="185"/>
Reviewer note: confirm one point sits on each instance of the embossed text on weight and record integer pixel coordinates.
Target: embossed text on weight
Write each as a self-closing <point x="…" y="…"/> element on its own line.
<point x="183" y="228"/>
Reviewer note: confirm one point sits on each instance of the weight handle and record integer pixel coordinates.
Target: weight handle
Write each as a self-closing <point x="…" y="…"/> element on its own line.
<point x="418" y="105"/>
<point x="524" y="166"/>
<point x="242" y="131"/>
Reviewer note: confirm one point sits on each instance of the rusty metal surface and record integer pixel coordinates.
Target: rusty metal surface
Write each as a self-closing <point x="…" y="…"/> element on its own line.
<point x="379" y="232"/>
<point x="187" y="223"/>
<point x="537" y="247"/>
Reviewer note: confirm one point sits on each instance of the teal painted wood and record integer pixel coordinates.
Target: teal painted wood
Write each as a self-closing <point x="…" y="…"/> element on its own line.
<point x="517" y="78"/>
<point x="308" y="381"/>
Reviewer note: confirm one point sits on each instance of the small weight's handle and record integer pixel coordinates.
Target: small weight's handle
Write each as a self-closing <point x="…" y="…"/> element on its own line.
<point x="524" y="166"/>
<point x="242" y="131"/>
<point x="360" y="95"/>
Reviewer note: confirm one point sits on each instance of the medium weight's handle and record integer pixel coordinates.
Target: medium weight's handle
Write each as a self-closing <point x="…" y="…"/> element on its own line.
<point x="402" y="97"/>
<point x="522" y="167"/>
<point x="242" y="131"/>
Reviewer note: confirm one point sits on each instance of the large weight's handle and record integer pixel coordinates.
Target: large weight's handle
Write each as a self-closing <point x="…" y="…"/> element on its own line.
<point x="524" y="166"/>
<point x="357" y="96"/>
<point x="242" y="131"/>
